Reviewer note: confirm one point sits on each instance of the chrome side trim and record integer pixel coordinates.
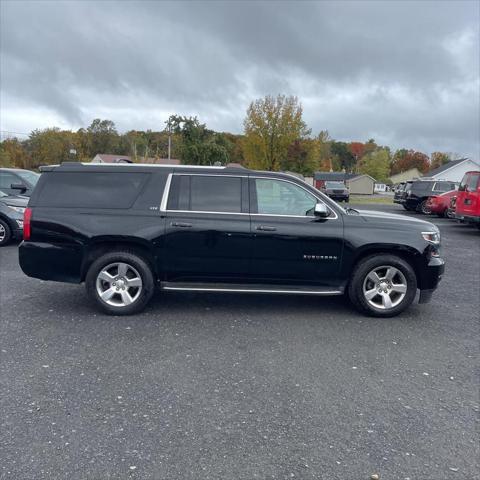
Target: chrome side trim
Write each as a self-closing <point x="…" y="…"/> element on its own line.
<point x="202" y="211"/>
<point x="166" y="191"/>
<point x="247" y="290"/>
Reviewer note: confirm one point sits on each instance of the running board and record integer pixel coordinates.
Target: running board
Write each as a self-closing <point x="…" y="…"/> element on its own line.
<point x="250" y="288"/>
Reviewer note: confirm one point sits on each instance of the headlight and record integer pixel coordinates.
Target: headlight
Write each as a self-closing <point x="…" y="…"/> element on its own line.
<point x="17" y="209"/>
<point x="432" y="237"/>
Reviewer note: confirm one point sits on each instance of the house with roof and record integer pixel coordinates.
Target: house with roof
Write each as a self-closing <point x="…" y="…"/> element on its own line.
<point x="357" y="183"/>
<point x="406" y="176"/>
<point x="109" y="158"/>
<point x="453" y="170"/>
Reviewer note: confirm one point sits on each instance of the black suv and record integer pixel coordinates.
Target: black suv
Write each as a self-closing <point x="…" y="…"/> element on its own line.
<point x="414" y="194"/>
<point x="124" y="229"/>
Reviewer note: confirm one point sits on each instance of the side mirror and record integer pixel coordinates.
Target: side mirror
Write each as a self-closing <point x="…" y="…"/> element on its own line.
<point x="321" y="210"/>
<point x="18" y="186"/>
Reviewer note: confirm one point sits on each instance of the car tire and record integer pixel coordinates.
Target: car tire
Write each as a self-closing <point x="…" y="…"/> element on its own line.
<point x="395" y="279"/>
<point x="5" y="233"/>
<point x="422" y="208"/>
<point x="120" y="283"/>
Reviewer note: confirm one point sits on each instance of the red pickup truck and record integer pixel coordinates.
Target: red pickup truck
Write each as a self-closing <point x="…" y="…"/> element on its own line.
<point x="468" y="199"/>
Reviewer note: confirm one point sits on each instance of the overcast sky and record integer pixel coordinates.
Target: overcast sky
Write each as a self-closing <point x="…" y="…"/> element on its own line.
<point x="406" y="74"/>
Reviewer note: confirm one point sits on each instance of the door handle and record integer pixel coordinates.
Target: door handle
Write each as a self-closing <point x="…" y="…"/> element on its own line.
<point x="266" y="228"/>
<point x="181" y="224"/>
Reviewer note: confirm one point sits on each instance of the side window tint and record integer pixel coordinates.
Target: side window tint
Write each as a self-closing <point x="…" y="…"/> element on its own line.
<point x="6" y="180"/>
<point x="206" y="193"/>
<point x="472" y="182"/>
<point x="91" y="189"/>
<point x="215" y="194"/>
<point x="275" y="197"/>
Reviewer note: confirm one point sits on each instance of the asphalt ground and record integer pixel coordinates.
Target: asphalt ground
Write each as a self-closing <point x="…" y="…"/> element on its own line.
<point x="212" y="386"/>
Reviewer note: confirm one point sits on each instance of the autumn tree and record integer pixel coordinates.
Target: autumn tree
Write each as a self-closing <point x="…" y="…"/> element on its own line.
<point x="438" y="159"/>
<point x="376" y="164"/>
<point x="271" y="126"/>
<point x="404" y="159"/>
<point x="357" y="149"/>
<point x="14" y="154"/>
<point x="50" y="146"/>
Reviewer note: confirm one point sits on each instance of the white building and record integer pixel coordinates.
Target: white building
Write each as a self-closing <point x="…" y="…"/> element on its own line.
<point x="453" y="170"/>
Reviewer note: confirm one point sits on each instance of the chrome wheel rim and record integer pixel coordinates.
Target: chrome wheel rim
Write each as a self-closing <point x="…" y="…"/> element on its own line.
<point x="119" y="284"/>
<point x="385" y="287"/>
<point x="3" y="233"/>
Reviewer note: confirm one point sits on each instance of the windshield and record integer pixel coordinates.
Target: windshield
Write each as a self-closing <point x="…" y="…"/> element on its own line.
<point x="30" y="177"/>
<point x="334" y="185"/>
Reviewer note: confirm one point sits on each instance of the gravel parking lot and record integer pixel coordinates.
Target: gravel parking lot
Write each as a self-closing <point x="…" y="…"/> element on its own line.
<point x="210" y="386"/>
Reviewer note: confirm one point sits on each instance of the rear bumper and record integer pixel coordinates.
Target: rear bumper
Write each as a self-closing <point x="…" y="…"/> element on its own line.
<point x="47" y="261"/>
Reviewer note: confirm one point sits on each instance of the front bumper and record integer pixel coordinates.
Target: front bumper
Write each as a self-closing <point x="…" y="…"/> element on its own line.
<point x="430" y="277"/>
<point x="468" y="218"/>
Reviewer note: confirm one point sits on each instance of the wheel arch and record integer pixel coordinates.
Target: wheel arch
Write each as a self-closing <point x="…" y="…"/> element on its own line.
<point x="405" y="252"/>
<point x="101" y="245"/>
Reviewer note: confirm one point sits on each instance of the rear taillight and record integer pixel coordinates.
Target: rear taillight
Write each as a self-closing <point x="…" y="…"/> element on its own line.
<point x="27" y="227"/>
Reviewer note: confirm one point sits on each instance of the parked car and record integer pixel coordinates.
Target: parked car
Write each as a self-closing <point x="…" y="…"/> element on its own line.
<point x="468" y="199"/>
<point x="16" y="181"/>
<point x="415" y="194"/>
<point x="124" y="229"/>
<point x="336" y="191"/>
<point x="439" y="204"/>
<point x="11" y="217"/>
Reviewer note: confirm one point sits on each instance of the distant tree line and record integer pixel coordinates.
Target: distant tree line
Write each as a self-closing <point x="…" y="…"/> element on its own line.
<point x="275" y="137"/>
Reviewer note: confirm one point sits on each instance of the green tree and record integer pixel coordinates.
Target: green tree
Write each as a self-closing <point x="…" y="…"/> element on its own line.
<point x="302" y="157"/>
<point x="376" y="164"/>
<point x="271" y="126"/>
<point x="101" y="137"/>
<point x="198" y="145"/>
<point x="344" y="157"/>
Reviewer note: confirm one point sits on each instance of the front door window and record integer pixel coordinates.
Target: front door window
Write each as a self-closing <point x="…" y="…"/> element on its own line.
<point x="276" y="197"/>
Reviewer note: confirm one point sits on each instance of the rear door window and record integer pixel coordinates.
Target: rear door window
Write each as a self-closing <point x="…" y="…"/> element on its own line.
<point x="91" y="189"/>
<point x="206" y="193"/>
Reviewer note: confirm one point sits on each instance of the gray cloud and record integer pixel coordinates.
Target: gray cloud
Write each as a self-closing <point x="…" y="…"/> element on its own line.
<point x="404" y="73"/>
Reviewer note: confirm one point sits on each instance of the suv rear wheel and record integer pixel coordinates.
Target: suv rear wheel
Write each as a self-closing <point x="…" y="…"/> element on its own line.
<point x="120" y="283"/>
<point x="383" y="285"/>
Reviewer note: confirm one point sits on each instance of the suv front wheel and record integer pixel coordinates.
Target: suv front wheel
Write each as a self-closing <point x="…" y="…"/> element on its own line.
<point x="120" y="283"/>
<point x="383" y="285"/>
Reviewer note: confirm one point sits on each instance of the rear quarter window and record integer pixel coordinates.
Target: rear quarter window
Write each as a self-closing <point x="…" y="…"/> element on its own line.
<point x="91" y="189"/>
